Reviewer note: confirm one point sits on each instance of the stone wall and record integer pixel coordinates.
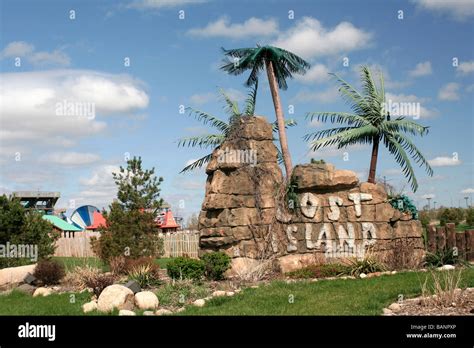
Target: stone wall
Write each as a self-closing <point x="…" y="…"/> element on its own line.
<point x="334" y="215"/>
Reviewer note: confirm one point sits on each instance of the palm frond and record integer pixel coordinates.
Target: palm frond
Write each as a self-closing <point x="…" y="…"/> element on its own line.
<point x="202" y="141"/>
<point x="337" y="117"/>
<point x="251" y="100"/>
<point x="288" y="123"/>
<point x="401" y="124"/>
<point x="408" y="145"/>
<point x="197" y="164"/>
<point x="232" y="107"/>
<point x="402" y="159"/>
<point x="353" y="135"/>
<point x="206" y="119"/>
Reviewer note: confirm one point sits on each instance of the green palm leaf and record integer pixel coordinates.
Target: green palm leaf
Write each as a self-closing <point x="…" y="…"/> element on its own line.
<point x="197" y="164"/>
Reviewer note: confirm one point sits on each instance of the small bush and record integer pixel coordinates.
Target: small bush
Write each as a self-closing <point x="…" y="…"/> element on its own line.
<point x="99" y="282"/>
<point x="49" y="272"/>
<point x="367" y="265"/>
<point x="320" y="271"/>
<point x="441" y="258"/>
<point x="89" y="277"/>
<point x="185" y="268"/>
<point x="145" y="275"/>
<point x="216" y="264"/>
<point x="450" y="215"/>
<point x="470" y="217"/>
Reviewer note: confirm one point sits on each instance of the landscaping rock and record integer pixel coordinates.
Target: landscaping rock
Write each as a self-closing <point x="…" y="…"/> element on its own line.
<point x="30" y="279"/>
<point x="395" y="307"/>
<point x="179" y="310"/>
<point x="163" y="311"/>
<point x="289" y="263"/>
<point x="12" y="275"/>
<point x="446" y="268"/>
<point x="387" y="311"/>
<point x="362" y="275"/>
<point x="199" y="303"/>
<point x="115" y="296"/>
<point x="133" y="285"/>
<point x="146" y="300"/>
<point x="148" y="313"/>
<point x="218" y="293"/>
<point x="230" y="293"/>
<point x="26" y="288"/>
<point x="89" y="306"/>
<point x="42" y="292"/>
<point x="126" y="312"/>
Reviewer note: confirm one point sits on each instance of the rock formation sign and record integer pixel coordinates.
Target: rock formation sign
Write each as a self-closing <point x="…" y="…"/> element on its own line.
<point x="334" y="215"/>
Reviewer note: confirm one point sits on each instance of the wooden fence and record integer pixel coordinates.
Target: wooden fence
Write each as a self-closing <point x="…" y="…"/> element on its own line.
<point x="175" y="244"/>
<point x="444" y="238"/>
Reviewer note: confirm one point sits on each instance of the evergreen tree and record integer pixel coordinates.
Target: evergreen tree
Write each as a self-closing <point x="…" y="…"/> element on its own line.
<point x="131" y="229"/>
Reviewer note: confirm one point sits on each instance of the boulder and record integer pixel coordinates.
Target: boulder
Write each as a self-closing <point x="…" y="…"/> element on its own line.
<point x="146" y="300"/>
<point x="241" y="265"/>
<point x="323" y="177"/>
<point x="42" y="292"/>
<point x="89" y="306"/>
<point x="148" y="313"/>
<point x="163" y="311"/>
<point x="199" y="303"/>
<point x="126" y="312"/>
<point x="289" y="263"/>
<point x="218" y="293"/>
<point x="395" y="307"/>
<point x="115" y="296"/>
<point x="13" y="275"/>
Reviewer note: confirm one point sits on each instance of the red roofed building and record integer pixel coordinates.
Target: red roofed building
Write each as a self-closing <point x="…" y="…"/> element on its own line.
<point x="166" y="222"/>
<point x="97" y="221"/>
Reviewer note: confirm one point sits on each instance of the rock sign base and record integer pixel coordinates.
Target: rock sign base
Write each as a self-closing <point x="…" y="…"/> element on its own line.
<point x="330" y="216"/>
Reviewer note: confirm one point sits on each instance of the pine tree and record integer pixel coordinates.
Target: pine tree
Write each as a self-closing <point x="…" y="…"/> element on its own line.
<point x="131" y="229"/>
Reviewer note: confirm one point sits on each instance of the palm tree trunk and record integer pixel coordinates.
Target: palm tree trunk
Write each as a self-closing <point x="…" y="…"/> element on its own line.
<point x="373" y="160"/>
<point x="280" y="119"/>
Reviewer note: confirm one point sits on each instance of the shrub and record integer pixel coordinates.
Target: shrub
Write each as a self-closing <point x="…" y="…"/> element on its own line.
<point x="145" y="275"/>
<point x="424" y="218"/>
<point x="185" y="268"/>
<point x="19" y="226"/>
<point x="216" y="263"/>
<point x="49" y="272"/>
<point x="470" y="217"/>
<point x="319" y="271"/>
<point x="367" y="265"/>
<point x="450" y="215"/>
<point x="89" y="277"/>
<point x="443" y="257"/>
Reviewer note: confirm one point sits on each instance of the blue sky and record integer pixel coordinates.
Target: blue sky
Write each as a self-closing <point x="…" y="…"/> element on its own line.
<point x="46" y="57"/>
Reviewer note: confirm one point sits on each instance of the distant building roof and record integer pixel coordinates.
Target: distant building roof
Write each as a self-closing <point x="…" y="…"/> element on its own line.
<point x="97" y="221"/>
<point x="61" y="224"/>
<point x="168" y="221"/>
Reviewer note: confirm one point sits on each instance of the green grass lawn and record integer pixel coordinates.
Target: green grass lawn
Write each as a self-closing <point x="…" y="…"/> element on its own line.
<point x="325" y="297"/>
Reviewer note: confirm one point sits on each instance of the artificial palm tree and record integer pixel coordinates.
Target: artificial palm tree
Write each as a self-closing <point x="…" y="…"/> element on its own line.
<point x="224" y="127"/>
<point x="280" y="65"/>
<point x="370" y="123"/>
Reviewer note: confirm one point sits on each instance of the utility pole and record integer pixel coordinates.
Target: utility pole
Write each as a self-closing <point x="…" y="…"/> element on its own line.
<point x="467" y="203"/>
<point x="434" y="205"/>
<point x="428" y="199"/>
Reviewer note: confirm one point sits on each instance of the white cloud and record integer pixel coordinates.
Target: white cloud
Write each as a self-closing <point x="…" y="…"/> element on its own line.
<point x="327" y="96"/>
<point x="421" y="69"/>
<point x="70" y="158"/>
<point x="317" y="73"/>
<point x="449" y="92"/>
<point x="202" y="98"/>
<point x="37" y="58"/>
<point x="393" y="171"/>
<point x="17" y="49"/>
<point x="29" y="103"/>
<point x="308" y="38"/>
<point x="159" y="4"/>
<point x="428" y="196"/>
<point x="250" y="28"/>
<point x="468" y="190"/>
<point x="459" y="9"/>
<point x="412" y="100"/>
<point x="466" y="67"/>
<point x="98" y="189"/>
<point x="444" y="161"/>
